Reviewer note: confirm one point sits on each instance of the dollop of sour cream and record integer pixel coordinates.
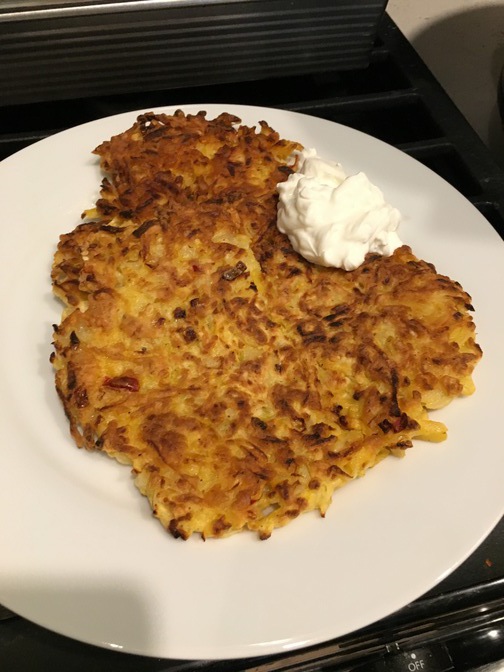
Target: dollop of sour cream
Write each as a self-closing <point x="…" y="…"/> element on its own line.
<point x="333" y="219"/>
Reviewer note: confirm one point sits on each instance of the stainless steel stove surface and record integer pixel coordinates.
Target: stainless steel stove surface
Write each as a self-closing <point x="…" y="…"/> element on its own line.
<point x="460" y="623"/>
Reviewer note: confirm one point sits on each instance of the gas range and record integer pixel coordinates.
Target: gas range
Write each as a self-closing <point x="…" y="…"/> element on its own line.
<point x="460" y="623"/>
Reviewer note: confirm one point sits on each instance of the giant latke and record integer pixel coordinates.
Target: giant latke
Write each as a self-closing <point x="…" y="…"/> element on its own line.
<point x="242" y="384"/>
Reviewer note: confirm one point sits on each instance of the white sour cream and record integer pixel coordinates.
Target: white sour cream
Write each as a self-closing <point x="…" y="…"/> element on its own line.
<point x="333" y="219"/>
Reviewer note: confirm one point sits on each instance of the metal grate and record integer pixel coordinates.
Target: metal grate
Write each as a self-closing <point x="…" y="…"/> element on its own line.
<point x="82" y="49"/>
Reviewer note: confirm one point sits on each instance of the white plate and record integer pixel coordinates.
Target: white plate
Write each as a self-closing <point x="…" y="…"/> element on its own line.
<point x="80" y="552"/>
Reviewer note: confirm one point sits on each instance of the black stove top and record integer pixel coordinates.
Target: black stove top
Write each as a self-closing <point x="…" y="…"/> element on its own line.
<point x="460" y="623"/>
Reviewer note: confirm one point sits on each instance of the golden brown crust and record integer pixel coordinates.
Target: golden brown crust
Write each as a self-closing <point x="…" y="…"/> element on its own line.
<point x="241" y="383"/>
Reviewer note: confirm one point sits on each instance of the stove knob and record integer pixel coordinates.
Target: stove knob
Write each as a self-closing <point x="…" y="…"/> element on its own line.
<point x="434" y="658"/>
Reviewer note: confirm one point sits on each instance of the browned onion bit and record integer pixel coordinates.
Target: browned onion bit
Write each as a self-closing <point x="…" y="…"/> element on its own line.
<point x="234" y="272"/>
<point x="128" y="383"/>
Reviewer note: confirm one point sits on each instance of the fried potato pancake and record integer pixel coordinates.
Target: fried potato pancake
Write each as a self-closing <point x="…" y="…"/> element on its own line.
<point x="241" y="383"/>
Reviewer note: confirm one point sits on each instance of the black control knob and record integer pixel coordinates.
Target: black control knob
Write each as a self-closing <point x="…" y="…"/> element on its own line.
<point x="434" y="658"/>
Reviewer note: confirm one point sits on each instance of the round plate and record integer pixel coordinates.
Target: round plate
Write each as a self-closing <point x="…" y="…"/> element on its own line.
<point x="81" y="553"/>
